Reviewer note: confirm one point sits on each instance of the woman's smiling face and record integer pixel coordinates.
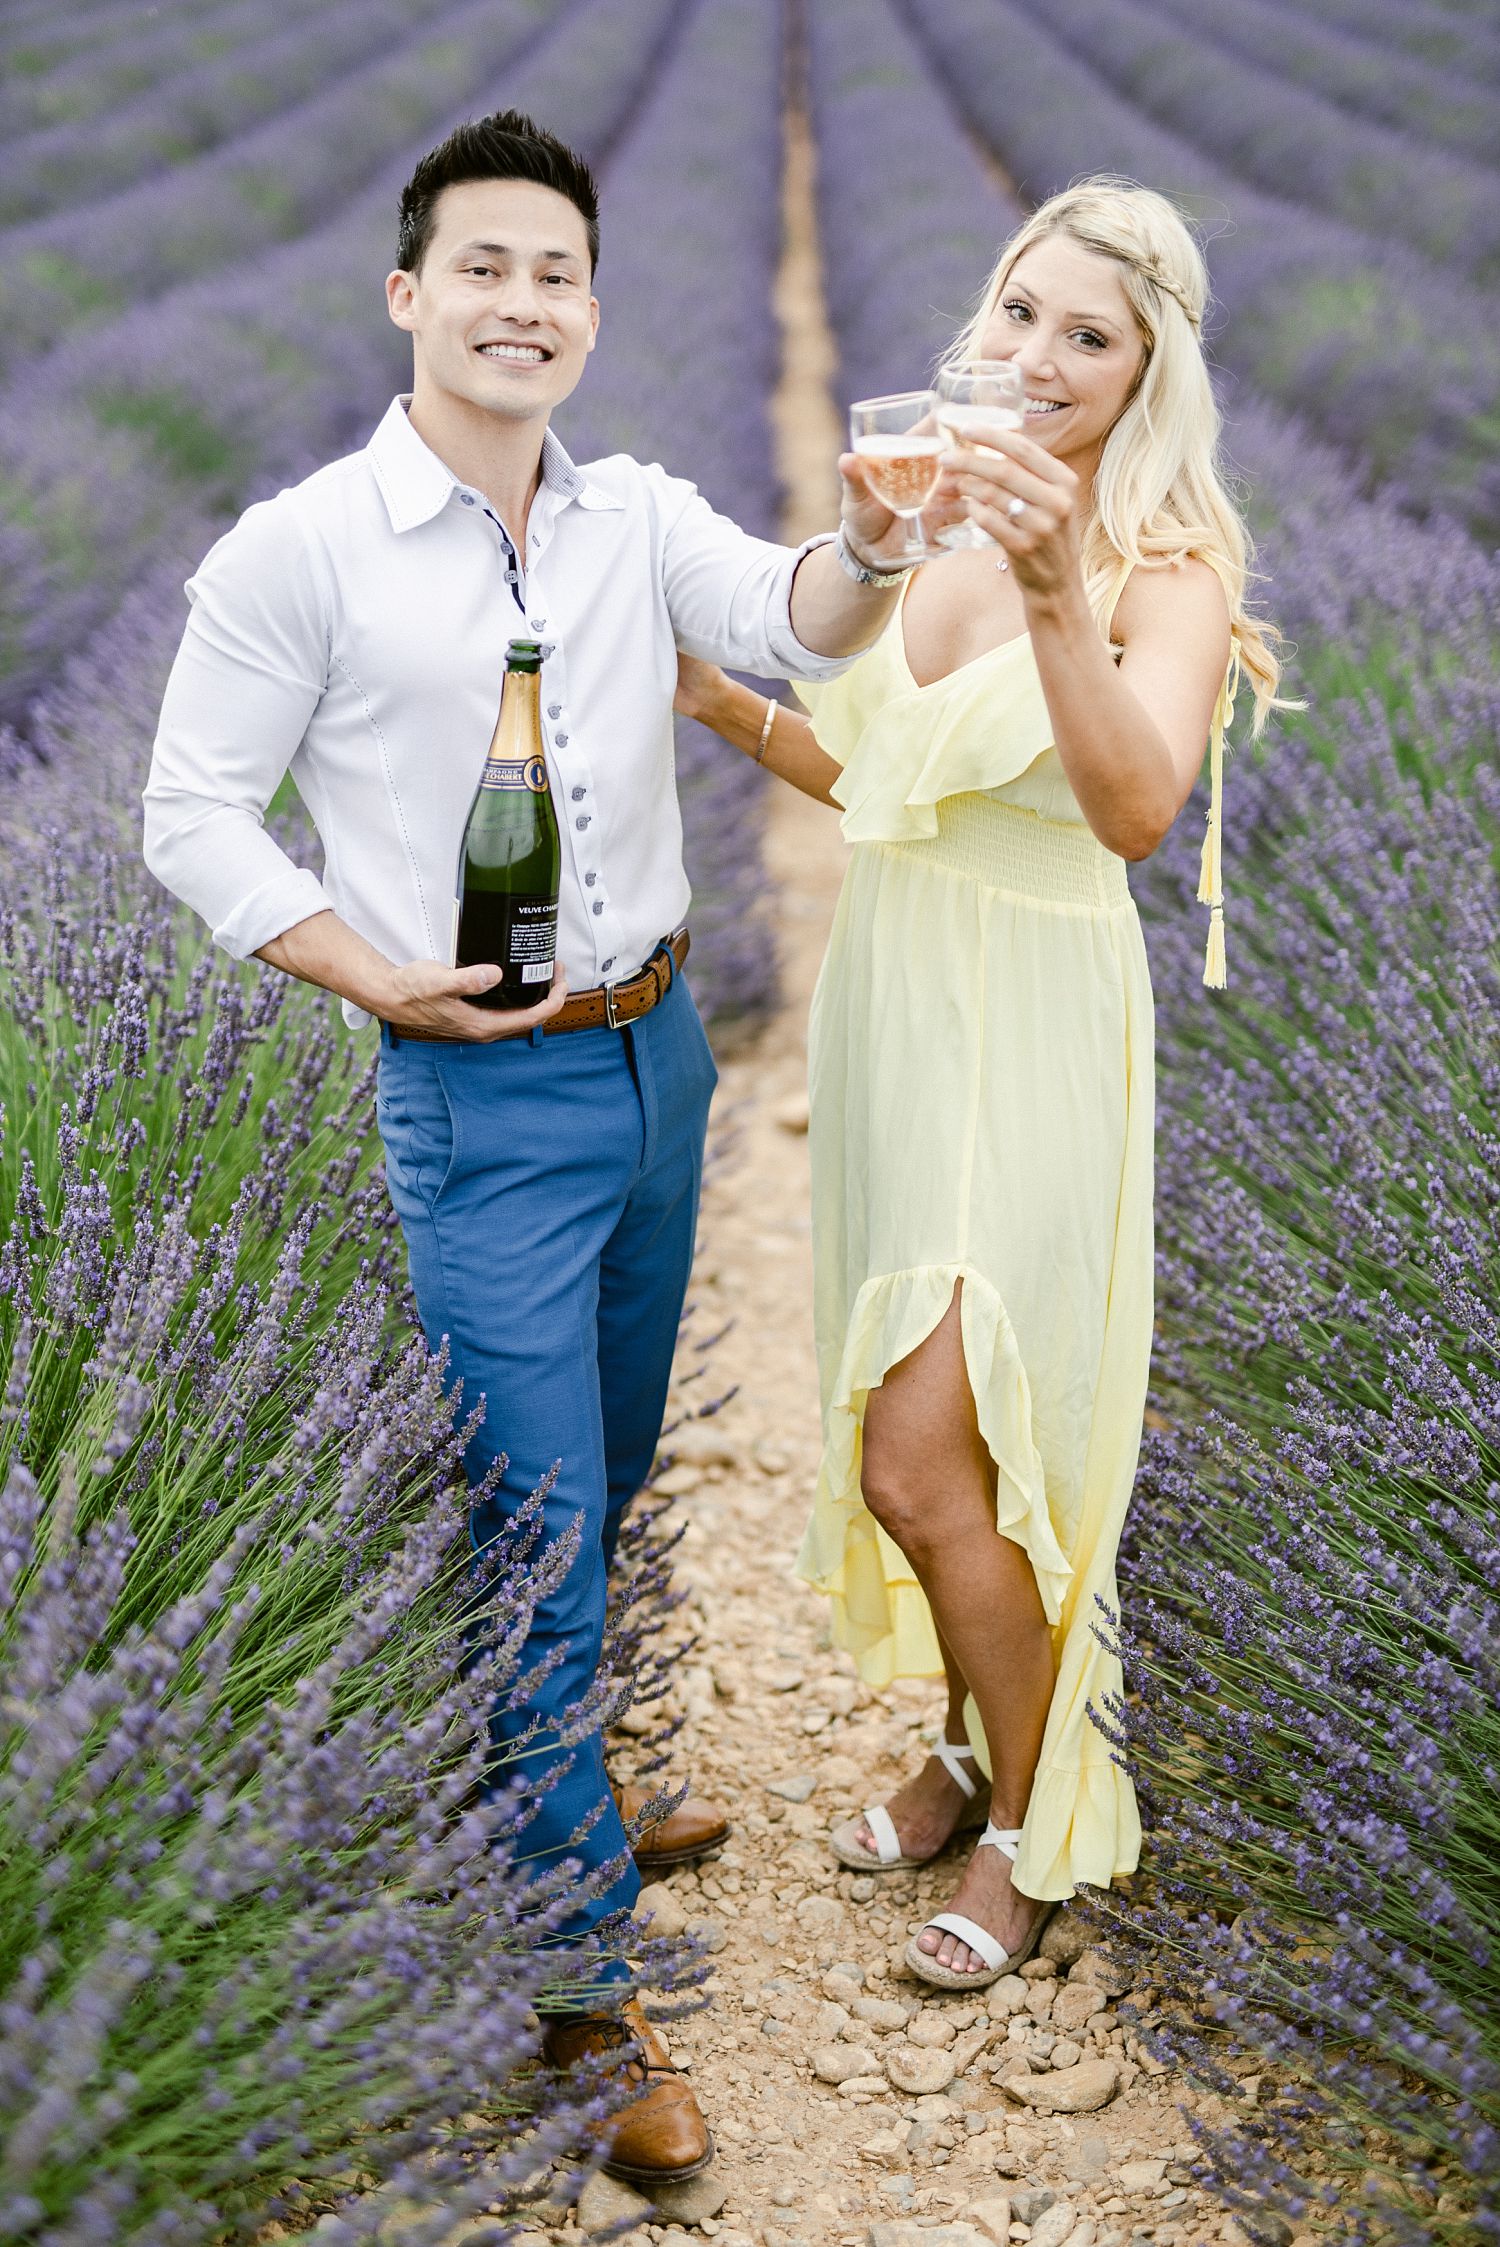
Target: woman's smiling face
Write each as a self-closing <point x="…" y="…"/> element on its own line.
<point x="1064" y="316"/>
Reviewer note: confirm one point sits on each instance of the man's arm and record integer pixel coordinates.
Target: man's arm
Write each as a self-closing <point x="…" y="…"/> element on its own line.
<point x="752" y="606"/>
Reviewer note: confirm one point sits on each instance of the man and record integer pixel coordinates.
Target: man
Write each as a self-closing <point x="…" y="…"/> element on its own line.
<point x="545" y="1164"/>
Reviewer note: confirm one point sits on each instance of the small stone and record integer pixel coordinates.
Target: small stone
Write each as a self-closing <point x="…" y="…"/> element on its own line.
<point x="1005" y="1997"/>
<point x="931" y="2031"/>
<point x="1066" y="1936"/>
<point x="907" y="2234"/>
<point x="836" y="2063"/>
<point x="605" y="2200"/>
<point x="1140" y="2176"/>
<point x="1039" y="1999"/>
<point x="689" y="2201"/>
<point x="864" y="2087"/>
<point x="704" y="1443"/>
<point x="783" y="1677"/>
<point x="830" y="2020"/>
<point x="843" y="1984"/>
<point x="1055" y="2225"/>
<point x="886" y="2145"/>
<point x="667" y="1914"/>
<point x="818" y="1915"/>
<point x="792" y="1114"/>
<point x="771" y="1459"/>
<point x="992" y="2215"/>
<point x="1074" y="2006"/>
<point x="1065" y="2054"/>
<point x="861" y="1889"/>
<point x="1028" y="2206"/>
<point x="882" y="2014"/>
<point x="1087" y="2162"/>
<point x="800" y="1787"/>
<point x="1096" y="1966"/>
<point x="1077" y="2090"/>
<point x="915" y="2070"/>
<point x="710" y="1932"/>
<point x="678" y="1482"/>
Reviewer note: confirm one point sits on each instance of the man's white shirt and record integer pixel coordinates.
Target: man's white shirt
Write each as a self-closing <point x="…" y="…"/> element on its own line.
<point x="352" y="631"/>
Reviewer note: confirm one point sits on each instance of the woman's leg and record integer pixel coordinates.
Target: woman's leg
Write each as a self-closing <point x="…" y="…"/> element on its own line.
<point x="928" y="1479"/>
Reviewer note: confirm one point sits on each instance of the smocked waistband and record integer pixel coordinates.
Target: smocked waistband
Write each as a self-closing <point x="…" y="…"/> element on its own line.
<point x="1004" y="846"/>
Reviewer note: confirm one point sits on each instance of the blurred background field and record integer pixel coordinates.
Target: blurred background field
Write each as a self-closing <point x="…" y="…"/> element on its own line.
<point x="203" y="1338"/>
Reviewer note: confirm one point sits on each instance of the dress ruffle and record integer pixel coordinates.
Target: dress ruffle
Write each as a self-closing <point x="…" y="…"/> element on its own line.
<point x="970" y="733"/>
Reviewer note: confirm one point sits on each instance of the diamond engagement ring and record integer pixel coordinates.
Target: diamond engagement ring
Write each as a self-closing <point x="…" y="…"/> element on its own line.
<point x="1015" y="509"/>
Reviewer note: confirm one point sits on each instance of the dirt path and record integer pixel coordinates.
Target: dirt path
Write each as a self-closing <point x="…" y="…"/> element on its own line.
<point x="809" y="1986"/>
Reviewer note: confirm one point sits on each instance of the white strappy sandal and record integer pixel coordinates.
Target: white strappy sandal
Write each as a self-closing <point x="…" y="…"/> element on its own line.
<point x="997" y="1959"/>
<point x="891" y="1858"/>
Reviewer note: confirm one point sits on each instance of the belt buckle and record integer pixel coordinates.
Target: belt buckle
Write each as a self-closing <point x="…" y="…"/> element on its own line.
<point x="610" y="1014"/>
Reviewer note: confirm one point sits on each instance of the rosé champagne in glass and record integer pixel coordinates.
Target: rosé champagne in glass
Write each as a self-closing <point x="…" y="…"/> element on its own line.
<point x="899" y="449"/>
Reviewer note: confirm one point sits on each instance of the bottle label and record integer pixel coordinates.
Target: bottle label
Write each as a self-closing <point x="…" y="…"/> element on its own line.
<point x="522" y="772"/>
<point x="531" y="941"/>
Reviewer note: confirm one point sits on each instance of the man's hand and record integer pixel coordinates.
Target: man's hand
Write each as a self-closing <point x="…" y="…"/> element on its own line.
<point x="878" y="536"/>
<point x="420" y="996"/>
<point x="424" y="996"/>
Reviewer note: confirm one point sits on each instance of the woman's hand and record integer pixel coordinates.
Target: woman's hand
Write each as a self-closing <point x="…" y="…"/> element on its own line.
<point x="1026" y="500"/>
<point x="700" y="688"/>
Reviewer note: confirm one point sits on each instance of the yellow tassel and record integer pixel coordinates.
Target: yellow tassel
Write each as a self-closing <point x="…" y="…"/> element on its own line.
<point x="1211" y="864"/>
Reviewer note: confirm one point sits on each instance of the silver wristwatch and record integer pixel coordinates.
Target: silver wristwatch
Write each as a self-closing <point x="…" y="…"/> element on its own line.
<point x="861" y="572"/>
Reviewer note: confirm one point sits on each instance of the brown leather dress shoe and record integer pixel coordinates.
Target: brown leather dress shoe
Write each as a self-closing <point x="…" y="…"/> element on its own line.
<point x="661" y="2137"/>
<point x="693" y="1829"/>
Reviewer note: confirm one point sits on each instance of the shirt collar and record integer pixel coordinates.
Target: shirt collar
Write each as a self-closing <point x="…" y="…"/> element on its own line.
<point x="416" y="485"/>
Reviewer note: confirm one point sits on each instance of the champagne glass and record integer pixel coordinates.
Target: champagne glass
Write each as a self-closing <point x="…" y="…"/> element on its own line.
<point x="900" y="457"/>
<point x="968" y="396"/>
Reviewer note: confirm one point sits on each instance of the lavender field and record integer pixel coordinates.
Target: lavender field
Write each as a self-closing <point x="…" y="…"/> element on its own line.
<point x="256" y="1955"/>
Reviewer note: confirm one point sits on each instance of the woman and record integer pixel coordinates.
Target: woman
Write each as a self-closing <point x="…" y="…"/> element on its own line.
<point x="980" y="1050"/>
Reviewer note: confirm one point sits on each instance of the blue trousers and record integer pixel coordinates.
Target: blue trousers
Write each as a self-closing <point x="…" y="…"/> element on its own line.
<point x="548" y="1192"/>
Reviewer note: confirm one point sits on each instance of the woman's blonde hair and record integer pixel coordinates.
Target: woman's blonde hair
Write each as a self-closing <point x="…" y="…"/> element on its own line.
<point x="1160" y="489"/>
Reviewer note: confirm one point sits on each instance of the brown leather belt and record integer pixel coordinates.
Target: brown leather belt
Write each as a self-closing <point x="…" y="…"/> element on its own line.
<point x="608" y="1004"/>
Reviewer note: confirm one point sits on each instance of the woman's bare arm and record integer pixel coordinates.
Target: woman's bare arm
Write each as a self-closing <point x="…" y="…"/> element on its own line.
<point x="708" y="694"/>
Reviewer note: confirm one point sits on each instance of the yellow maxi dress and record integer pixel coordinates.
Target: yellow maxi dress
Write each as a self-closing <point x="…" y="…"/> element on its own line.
<point x="980" y="1065"/>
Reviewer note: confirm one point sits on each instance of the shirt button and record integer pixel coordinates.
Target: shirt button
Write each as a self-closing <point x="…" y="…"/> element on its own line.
<point x="581" y="821"/>
<point x="560" y="740"/>
<point x="578" y="794"/>
<point x="609" y="963"/>
<point x="599" y="905"/>
<point x="537" y="622"/>
<point x="467" y="498"/>
<point x="589" y="880"/>
<point x="554" y="709"/>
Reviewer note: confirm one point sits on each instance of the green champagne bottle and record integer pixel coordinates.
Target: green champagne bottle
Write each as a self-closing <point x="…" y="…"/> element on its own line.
<point x="511" y="859"/>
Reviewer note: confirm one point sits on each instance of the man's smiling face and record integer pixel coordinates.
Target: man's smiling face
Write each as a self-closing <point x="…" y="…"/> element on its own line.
<point x="501" y="312"/>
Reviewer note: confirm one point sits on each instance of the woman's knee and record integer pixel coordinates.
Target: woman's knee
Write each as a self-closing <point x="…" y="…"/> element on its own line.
<point x="899" y="1492"/>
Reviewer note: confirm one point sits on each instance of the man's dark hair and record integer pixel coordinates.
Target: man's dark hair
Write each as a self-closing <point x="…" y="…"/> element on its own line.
<point x="504" y="145"/>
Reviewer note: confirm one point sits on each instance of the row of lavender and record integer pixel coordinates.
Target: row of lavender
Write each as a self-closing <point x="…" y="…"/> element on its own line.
<point x="1310" y="1580"/>
<point x="1394" y="362"/>
<point x="257" y="1947"/>
<point x="267" y="66"/>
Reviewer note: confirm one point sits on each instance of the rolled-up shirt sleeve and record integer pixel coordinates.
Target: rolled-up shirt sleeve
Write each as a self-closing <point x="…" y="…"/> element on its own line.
<point x="730" y="594"/>
<point x="247" y="678"/>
